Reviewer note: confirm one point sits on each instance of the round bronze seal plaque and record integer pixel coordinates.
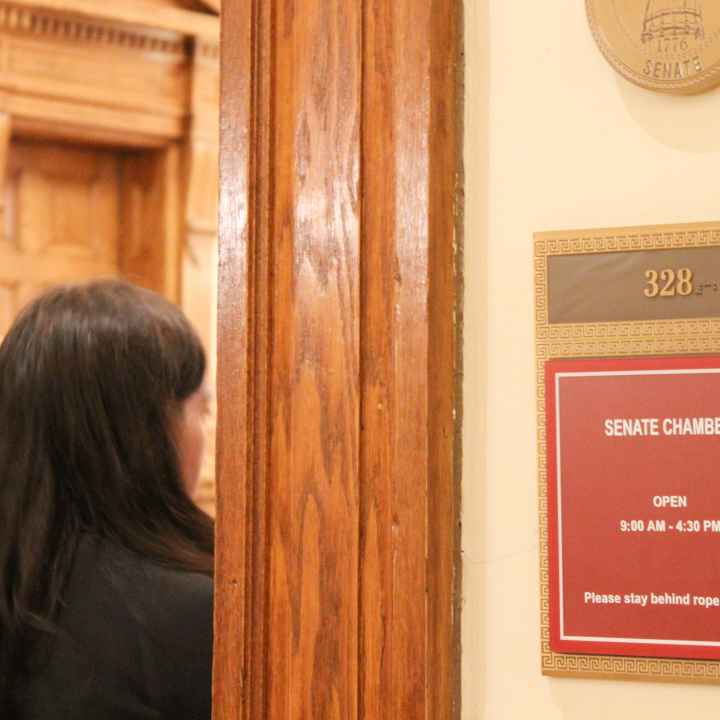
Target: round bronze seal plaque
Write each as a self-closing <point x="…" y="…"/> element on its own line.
<point x="667" y="45"/>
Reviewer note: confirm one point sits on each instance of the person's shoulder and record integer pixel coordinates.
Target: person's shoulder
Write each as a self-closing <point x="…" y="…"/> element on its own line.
<point x="179" y="588"/>
<point x="178" y="601"/>
<point x="171" y="612"/>
<point x="121" y="565"/>
<point x="158" y="594"/>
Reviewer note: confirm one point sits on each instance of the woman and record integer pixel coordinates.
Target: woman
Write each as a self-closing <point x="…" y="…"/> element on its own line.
<point x="106" y="562"/>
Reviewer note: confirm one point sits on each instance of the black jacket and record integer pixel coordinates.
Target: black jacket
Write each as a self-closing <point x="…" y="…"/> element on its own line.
<point x="134" y="643"/>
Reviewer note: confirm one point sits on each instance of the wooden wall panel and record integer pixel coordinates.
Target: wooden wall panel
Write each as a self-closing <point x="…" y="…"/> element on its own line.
<point x="153" y="226"/>
<point x="60" y="220"/>
<point x="336" y="587"/>
<point x="241" y="542"/>
<point x="90" y="80"/>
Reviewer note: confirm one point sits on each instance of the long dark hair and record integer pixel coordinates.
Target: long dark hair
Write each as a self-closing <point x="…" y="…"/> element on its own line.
<point x="91" y="378"/>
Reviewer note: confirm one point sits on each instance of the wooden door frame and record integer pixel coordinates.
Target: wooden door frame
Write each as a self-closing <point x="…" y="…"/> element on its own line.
<point x="148" y="189"/>
<point x="169" y="134"/>
<point x="337" y="561"/>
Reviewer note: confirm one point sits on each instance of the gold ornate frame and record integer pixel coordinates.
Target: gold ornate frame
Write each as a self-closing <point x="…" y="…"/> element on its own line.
<point x="612" y="339"/>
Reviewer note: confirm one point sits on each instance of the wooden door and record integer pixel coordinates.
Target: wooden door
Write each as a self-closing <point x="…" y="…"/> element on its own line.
<point x="72" y="213"/>
<point x="337" y="537"/>
<point x="61" y="220"/>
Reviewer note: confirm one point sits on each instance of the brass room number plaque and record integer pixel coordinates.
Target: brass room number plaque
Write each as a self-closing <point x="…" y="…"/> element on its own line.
<point x="671" y="46"/>
<point x="627" y="324"/>
<point x="667" y="283"/>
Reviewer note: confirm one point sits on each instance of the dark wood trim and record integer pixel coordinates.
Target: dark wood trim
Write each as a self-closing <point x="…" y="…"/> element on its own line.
<point x="239" y="521"/>
<point x="444" y="360"/>
<point x="338" y="503"/>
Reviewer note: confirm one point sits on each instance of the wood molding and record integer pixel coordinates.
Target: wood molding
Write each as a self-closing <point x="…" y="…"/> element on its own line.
<point x="86" y="79"/>
<point x="133" y="12"/>
<point x="201" y="145"/>
<point x="241" y="554"/>
<point x="51" y="120"/>
<point x="214" y="5"/>
<point x="41" y="23"/>
<point x="410" y="494"/>
<point x="52" y="196"/>
<point x="337" y="589"/>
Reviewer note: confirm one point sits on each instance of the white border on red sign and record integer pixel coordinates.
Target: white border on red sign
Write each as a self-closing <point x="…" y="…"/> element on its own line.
<point x="581" y="638"/>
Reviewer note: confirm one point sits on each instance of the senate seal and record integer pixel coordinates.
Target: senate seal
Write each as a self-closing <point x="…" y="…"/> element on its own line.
<point x="671" y="46"/>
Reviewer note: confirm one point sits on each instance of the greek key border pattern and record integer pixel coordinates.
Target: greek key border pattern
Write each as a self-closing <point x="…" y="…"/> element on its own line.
<point x="624" y="339"/>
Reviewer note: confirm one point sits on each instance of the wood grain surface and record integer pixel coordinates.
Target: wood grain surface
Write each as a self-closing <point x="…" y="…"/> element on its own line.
<point x="336" y="587"/>
<point x="136" y="12"/>
<point x="313" y="608"/>
<point x="240" y="520"/>
<point x="89" y="80"/>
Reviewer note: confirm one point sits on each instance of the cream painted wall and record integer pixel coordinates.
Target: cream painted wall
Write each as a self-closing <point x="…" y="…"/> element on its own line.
<point x="554" y="139"/>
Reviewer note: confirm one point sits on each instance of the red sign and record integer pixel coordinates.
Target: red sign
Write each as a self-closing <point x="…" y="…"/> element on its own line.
<point x="633" y="451"/>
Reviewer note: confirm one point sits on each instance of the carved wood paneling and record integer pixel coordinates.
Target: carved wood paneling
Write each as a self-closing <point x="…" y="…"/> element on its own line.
<point x="138" y="74"/>
<point x="201" y="146"/>
<point x="143" y="13"/>
<point x="336" y="592"/>
<point x="64" y="203"/>
<point x="153" y="231"/>
<point x="92" y="79"/>
<point x="61" y="220"/>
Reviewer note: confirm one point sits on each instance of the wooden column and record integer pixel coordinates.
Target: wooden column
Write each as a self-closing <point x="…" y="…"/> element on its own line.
<point x="336" y="588"/>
